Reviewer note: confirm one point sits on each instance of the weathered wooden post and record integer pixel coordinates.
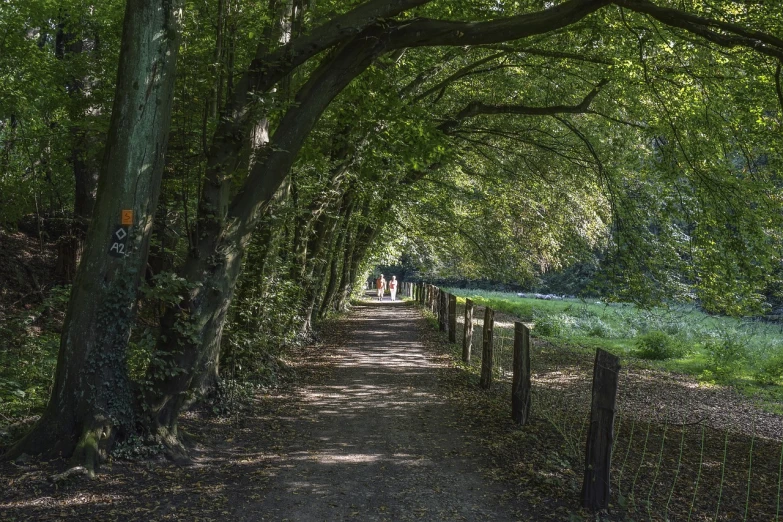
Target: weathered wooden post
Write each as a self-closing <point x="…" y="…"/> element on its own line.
<point x="596" y="487"/>
<point x="520" y="385"/>
<point x="435" y="300"/>
<point x="442" y="311"/>
<point x="452" y="318"/>
<point x="467" y="333"/>
<point x="486" y="352"/>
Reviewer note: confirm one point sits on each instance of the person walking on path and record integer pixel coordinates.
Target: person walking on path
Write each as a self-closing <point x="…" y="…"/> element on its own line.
<point x="380" y="285"/>
<point x="393" y="288"/>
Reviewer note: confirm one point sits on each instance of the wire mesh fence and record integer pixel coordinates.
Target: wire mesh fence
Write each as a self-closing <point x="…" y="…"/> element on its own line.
<point x="670" y="461"/>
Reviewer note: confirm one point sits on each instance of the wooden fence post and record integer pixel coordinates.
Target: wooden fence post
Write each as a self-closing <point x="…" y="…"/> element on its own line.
<point x="596" y="487"/>
<point x="467" y="333"/>
<point x="486" y="352"/>
<point x="442" y="311"/>
<point x="452" y="318"/>
<point x="520" y="386"/>
<point x="435" y="300"/>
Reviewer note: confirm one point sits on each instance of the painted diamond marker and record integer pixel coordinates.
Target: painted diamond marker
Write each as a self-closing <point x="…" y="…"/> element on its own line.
<point x="121" y="234"/>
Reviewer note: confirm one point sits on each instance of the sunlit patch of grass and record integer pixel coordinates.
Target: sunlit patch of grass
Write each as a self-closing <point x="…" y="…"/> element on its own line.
<point x="744" y="353"/>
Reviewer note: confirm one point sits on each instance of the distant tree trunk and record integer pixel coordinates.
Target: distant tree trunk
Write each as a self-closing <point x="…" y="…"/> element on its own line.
<point x="91" y="399"/>
<point x="343" y="287"/>
<point x="334" y="276"/>
<point x="83" y="159"/>
<point x="316" y="266"/>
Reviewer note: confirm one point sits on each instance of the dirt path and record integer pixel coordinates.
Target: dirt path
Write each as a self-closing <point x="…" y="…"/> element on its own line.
<point x="377" y="440"/>
<point x="368" y="434"/>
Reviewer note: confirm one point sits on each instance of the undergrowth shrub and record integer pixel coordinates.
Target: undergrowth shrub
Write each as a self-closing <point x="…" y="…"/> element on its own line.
<point x="549" y="326"/>
<point x="725" y="355"/>
<point x="595" y="327"/>
<point x="657" y="345"/>
<point x="261" y="325"/>
<point x="29" y="343"/>
<point x="771" y="371"/>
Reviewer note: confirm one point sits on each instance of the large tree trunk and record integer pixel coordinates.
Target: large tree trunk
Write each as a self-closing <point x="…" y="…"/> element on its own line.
<point x="91" y="399"/>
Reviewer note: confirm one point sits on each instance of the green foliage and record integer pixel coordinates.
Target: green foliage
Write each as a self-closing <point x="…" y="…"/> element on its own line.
<point x="726" y="353"/>
<point x="29" y="343"/>
<point x="549" y="326"/>
<point x="658" y="346"/>
<point x="771" y="370"/>
<point x="167" y="289"/>
<point x="670" y="178"/>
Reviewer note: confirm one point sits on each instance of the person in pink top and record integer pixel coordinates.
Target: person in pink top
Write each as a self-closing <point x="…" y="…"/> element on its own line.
<point x="393" y="288"/>
<point x="380" y="285"/>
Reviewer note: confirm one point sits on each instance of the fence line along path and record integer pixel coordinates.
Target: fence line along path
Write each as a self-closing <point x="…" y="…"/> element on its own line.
<point x="377" y="440"/>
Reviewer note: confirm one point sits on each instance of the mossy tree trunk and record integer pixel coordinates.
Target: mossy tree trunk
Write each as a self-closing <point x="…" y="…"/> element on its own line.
<point x="91" y="399"/>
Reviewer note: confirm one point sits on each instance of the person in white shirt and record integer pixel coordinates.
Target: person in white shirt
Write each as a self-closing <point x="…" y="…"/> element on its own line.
<point x="393" y="288"/>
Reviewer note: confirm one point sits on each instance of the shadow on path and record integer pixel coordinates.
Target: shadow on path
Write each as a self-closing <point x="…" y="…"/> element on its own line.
<point x="376" y="440"/>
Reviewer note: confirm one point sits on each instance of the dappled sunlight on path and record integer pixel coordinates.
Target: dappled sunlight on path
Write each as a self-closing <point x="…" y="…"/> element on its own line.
<point x="376" y="440"/>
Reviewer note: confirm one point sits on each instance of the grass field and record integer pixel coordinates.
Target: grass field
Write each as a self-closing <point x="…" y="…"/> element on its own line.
<point x="747" y="354"/>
